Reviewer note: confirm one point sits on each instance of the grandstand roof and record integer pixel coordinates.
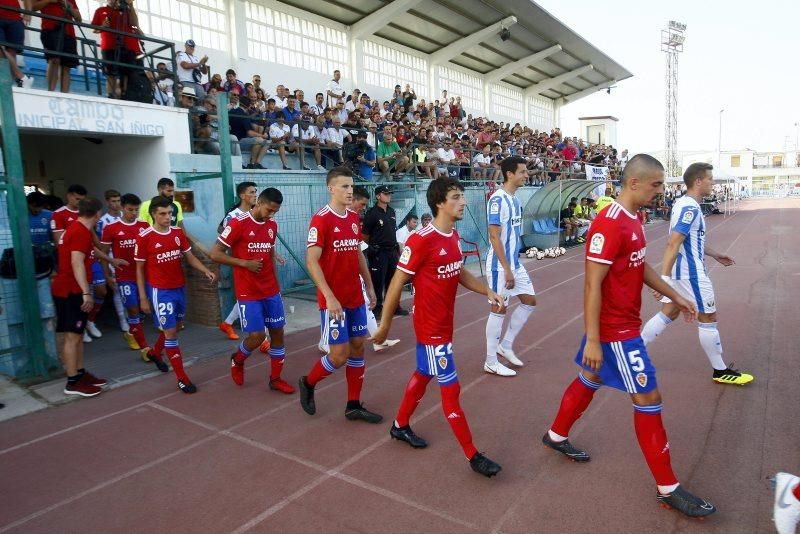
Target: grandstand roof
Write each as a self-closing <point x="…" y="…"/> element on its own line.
<point x="541" y="56"/>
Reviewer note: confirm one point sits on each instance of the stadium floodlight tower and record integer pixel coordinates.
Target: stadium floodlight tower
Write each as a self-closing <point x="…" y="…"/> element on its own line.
<point x="672" y="39"/>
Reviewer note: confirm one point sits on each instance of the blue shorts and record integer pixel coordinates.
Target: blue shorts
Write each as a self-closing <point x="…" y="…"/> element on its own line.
<point x="98" y="276"/>
<point x="437" y="360"/>
<point x="13" y="31"/>
<point x="626" y="366"/>
<point x="169" y="306"/>
<point x="256" y="314"/>
<point x="337" y="332"/>
<point x="129" y="294"/>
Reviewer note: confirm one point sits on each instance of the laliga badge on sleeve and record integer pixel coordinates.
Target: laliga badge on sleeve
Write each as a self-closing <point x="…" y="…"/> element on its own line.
<point x="596" y="246"/>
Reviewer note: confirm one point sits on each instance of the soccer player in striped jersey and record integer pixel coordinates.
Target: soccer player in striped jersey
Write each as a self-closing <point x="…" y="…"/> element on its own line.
<point x="432" y="259"/>
<point x="247" y="193"/>
<point x="334" y="261"/>
<point x="251" y="238"/>
<point x="684" y="268"/>
<point x="612" y="352"/>
<point x="505" y="273"/>
<point x="159" y="269"/>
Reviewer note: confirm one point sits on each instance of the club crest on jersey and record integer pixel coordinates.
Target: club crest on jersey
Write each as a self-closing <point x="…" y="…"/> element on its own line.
<point x="687" y="217"/>
<point x="162" y="319"/>
<point x="271" y="233"/>
<point x="226" y="232"/>
<point x="641" y="379"/>
<point x="443" y="362"/>
<point x="406" y="255"/>
<point x="334" y="334"/>
<point x="596" y="246"/>
<point x="312" y="234"/>
<point x="177" y="240"/>
<point x="355" y="227"/>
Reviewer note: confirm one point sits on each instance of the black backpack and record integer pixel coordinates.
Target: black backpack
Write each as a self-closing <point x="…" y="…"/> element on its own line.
<point x="43" y="262"/>
<point x="139" y="88"/>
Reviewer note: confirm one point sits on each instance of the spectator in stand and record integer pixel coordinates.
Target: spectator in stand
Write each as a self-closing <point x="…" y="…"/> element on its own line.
<point x="290" y="112"/>
<point x="163" y="86"/>
<point x="463" y="158"/>
<point x="306" y="134"/>
<point x="191" y="69"/>
<point x="334" y="138"/>
<point x="232" y="85"/>
<point x="334" y="90"/>
<point x="12" y="30"/>
<point x="390" y="158"/>
<point x="59" y="37"/>
<point x="215" y="82"/>
<point x="256" y="81"/>
<point x="446" y="156"/>
<point x="482" y="164"/>
<point x="409" y="95"/>
<point x="280" y="97"/>
<point x="318" y="107"/>
<point x="365" y="156"/>
<point x="281" y="136"/>
<point x="404" y="231"/>
<point x="426" y="219"/>
<point x="299" y="95"/>
<point x="271" y="113"/>
<point x="249" y="134"/>
<point x="340" y="112"/>
<point x="352" y="101"/>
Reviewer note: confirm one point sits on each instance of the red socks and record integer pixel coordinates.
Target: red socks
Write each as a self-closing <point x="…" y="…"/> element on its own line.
<point x="138" y="334"/>
<point x="175" y="359"/>
<point x="455" y="416"/>
<point x="414" y="392"/>
<point x="574" y="402"/>
<point x="322" y="369"/>
<point x="276" y="357"/>
<point x="653" y="442"/>
<point x="159" y="346"/>
<point x="355" y="378"/>
<point x="94" y="311"/>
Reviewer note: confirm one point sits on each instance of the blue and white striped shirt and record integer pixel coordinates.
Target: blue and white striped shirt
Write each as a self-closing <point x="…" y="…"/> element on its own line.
<point x="687" y="219"/>
<point x="505" y="211"/>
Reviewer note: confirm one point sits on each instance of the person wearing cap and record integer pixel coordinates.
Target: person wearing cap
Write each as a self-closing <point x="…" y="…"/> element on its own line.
<point x="380" y="227"/>
<point x="191" y="68"/>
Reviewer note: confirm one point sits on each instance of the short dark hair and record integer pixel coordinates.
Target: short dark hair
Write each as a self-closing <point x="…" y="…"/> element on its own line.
<point x="165" y="182"/>
<point x="641" y="163"/>
<point x="244" y="186"/>
<point x="111" y="193"/>
<point x="158" y="202"/>
<point x="35" y="198"/>
<point x="89" y="207"/>
<point x="695" y="172"/>
<point x="438" y="189"/>
<point x="271" y="100"/>
<point x="77" y="189"/>
<point x="336" y="172"/>
<point x="360" y="191"/>
<point x="129" y="199"/>
<point x="319" y="94"/>
<point x="230" y="71"/>
<point x="412" y="217"/>
<point x="510" y="165"/>
<point x="271" y="194"/>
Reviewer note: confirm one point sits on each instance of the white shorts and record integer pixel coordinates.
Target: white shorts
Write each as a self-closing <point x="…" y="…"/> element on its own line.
<point x="522" y="283"/>
<point x="699" y="290"/>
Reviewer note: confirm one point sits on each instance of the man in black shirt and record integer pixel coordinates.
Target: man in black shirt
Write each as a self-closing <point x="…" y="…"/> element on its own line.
<point x="250" y="135"/>
<point x="380" y="227"/>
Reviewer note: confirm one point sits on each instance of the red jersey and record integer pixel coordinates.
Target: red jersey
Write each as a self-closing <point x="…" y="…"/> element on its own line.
<point x="434" y="260"/>
<point x="57" y="10"/>
<point x="339" y="237"/>
<point x="162" y="255"/>
<point x="122" y="238"/>
<point x="9" y="15"/>
<point x="249" y="239"/>
<point x="77" y="238"/>
<point x="108" y="40"/>
<point x="616" y="238"/>
<point x="62" y="218"/>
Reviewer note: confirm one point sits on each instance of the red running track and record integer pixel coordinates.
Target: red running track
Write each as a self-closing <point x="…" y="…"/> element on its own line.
<point x="146" y="458"/>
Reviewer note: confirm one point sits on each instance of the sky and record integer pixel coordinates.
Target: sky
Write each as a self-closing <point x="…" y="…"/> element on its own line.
<point x="739" y="56"/>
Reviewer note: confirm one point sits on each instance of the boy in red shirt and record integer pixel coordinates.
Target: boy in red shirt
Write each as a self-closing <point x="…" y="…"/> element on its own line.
<point x="159" y="269"/>
<point x="432" y="258"/>
<point x="59" y="37"/>
<point x="73" y="298"/>
<point x="612" y="351"/>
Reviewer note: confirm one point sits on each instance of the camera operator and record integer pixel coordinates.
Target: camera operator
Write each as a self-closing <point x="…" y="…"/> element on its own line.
<point x="191" y="69"/>
<point x="363" y="156"/>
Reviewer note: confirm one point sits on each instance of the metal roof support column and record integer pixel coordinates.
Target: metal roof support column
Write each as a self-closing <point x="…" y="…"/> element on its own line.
<point x="555" y="81"/>
<point x="380" y="18"/>
<point x="465" y="43"/>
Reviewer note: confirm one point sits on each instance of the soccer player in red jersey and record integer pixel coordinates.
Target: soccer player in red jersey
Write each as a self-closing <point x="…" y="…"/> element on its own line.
<point x="120" y="237"/>
<point x="334" y="261"/>
<point x="68" y="213"/>
<point x="251" y="238"/>
<point x="612" y="352"/>
<point x="158" y="254"/>
<point x="72" y="297"/>
<point x="432" y="259"/>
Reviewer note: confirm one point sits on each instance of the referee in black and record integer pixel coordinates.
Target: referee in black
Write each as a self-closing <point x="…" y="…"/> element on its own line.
<point x="380" y="227"/>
